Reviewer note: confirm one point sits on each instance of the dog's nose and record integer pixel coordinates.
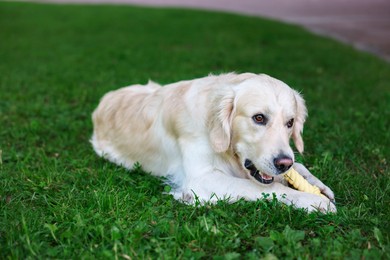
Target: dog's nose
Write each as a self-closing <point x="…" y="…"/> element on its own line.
<point x="283" y="163"/>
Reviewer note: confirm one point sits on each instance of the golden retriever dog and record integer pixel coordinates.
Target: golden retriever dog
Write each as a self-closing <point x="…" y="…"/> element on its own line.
<point x="217" y="137"/>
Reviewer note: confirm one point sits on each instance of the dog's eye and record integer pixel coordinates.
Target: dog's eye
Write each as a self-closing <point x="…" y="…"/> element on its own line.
<point x="290" y="123"/>
<point x="260" y="119"/>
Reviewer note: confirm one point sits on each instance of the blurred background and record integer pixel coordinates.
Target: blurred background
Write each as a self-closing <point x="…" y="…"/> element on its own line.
<point x="365" y="24"/>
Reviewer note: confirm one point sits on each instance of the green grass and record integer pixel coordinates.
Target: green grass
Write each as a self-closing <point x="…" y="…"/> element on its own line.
<point x="59" y="200"/>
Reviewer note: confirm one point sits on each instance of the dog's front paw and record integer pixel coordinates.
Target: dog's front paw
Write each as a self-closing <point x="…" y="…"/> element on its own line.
<point x="312" y="203"/>
<point x="327" y="192"/>
<point x="324" y="205"/>
<point x="302" y="170"/>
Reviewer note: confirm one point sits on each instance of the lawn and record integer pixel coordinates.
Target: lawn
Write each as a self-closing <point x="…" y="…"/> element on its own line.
<point x="59" y="200"/>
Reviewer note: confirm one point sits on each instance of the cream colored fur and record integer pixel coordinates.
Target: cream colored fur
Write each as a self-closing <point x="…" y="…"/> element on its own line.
<point x="198" y="134"/>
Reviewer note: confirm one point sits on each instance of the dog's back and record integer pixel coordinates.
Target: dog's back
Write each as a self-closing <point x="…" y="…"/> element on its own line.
<point x="130" y="110"/>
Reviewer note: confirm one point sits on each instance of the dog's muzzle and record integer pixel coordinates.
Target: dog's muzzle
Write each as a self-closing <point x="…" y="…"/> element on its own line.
<point x="255" y="173"/>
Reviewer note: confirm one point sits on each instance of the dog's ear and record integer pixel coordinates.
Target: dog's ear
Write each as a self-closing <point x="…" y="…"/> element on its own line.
<point x="220" y="119"/>
<point x="300" y="118"/>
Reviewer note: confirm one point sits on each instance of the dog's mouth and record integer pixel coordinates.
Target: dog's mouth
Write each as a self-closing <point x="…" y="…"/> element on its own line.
<point x="259" y="176"/>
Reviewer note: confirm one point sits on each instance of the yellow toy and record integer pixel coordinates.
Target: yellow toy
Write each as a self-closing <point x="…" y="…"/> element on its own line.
<point x="300" y="183"/>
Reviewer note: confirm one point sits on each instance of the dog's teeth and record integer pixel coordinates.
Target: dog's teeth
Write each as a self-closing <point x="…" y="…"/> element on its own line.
<point x="265" y="176"/>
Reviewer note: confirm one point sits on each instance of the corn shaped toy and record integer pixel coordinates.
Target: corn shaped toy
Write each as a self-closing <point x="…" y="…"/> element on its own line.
<point x="300" y="183"/>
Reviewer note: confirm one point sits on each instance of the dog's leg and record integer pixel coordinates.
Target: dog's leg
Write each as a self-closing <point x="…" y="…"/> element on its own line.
<point x="218" y="185"/>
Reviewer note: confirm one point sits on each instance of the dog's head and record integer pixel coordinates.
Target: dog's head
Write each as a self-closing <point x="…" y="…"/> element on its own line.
<point x="255" y="119"/>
